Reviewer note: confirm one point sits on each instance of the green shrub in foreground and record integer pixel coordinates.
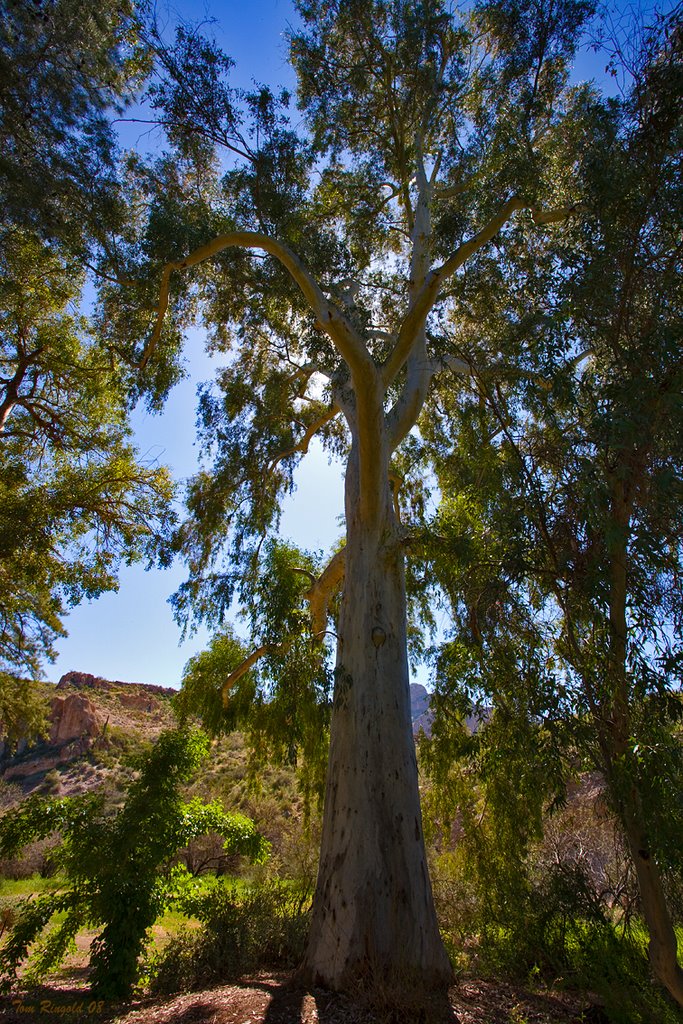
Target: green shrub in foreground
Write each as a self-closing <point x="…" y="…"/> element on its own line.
<point x="584" y="951"/>
<point x="116" y="866"/>
<point x="241" y="931"/>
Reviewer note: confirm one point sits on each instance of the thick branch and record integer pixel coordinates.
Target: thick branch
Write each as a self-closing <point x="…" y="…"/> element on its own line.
<point x="416" y="386"/>
<point x="244" y="667"/>
<point x="556" y="216"/>
<point x="318" y="596"/>
<point x="348" y="342"/>
<point x="11" y="397"/>
<point x="319" y="593"/>
<point x="451" y="191"/>
<point x="406" y="410"/>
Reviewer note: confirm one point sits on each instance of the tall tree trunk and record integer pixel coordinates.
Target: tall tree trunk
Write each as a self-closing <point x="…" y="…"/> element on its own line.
<point x="663" y="946"/>
<point x="622" y="774"/>
<point x="374" y="926"/>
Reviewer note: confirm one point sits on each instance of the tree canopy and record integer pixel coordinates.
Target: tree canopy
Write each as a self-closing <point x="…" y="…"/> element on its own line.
<point x="461" y="273"/>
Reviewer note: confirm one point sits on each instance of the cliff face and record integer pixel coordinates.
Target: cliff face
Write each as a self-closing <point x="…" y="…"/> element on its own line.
<point x="422" y="716"/>
<point x="419" y="709"/>
<point x="88" y="712"/>
<point x="73" y="717"/>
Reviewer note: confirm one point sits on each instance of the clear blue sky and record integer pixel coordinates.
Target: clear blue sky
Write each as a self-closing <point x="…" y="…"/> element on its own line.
<point x="131" y="635"/>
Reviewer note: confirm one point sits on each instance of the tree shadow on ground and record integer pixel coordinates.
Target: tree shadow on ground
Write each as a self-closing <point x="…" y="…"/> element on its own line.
<point x="292" y="1003"/>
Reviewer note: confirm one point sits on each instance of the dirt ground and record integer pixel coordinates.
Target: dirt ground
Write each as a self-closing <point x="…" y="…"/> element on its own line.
<point x="276" y="999"/>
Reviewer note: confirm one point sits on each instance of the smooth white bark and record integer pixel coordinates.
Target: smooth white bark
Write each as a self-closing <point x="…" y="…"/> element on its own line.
<point x="374" y="924"/>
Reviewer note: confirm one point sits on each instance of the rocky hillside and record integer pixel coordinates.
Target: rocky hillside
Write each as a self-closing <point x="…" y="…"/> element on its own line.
<point x="88" y="716"/>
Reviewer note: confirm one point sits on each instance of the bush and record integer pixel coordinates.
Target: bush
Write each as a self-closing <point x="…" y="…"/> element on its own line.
<point x="116" y="865"/>
<point x="240" y="932"/>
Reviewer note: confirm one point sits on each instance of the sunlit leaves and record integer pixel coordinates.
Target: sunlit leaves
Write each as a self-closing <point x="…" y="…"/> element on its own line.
<point x="117" y="866"/>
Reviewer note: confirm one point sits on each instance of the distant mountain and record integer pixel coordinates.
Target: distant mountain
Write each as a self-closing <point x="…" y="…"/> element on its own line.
<point x="422" y="715"/>
<point x="420" y="712"/>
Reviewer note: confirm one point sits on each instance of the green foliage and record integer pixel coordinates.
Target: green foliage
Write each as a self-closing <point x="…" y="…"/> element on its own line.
<point x="75" y="500"/>
<point x="203" y="679"/>
<point x="241" y="932"/>
<point x="57" y="165"/>
<point x="560" y="545"/>
<point x="24" y="710"/>
<point x="282" y="704"/>
<point x="534" y="920"/>
<point x="496" y="783"/>
<point x="116" y="867"/>
<point x="587" y="954"/>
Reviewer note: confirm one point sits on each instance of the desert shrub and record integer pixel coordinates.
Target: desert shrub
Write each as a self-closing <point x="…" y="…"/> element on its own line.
<point x="52" y="782"/>
<point x="10" y="794"/>
<point x="562" y="932"/>
<point x="528" y="881"/>
<point x="36" y="858"/>
<point x="240" y="932"/>
<point x="298" y="851"/>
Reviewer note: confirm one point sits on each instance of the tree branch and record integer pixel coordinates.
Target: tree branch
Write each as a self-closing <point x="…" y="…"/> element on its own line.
<point x="451" y="191"/>
<point x="303" y="444"/>
<point x="319" y="593"/>
<point x="244" y="667"/>
<point x="428" y="294"/>
<point x="556" y="216"/>
<point x="347" y="341"/>
<point x="406" y="410"/>
<point x="318" y="596"/>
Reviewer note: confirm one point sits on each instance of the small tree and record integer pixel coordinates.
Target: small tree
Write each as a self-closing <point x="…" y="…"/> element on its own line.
<point x="117" y="866"/>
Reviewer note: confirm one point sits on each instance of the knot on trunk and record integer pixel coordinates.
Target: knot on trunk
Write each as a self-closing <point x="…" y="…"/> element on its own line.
<point x="378" y="636"/>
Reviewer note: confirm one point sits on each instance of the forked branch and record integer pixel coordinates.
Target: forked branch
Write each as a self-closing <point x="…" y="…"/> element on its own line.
<point x="434" y="282"/>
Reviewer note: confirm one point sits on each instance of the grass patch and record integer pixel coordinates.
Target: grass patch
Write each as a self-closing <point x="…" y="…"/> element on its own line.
<point x="16" y="888"/>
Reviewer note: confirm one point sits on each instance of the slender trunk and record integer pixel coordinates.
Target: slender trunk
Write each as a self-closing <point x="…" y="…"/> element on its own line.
<point x="622" y="778"/>
<point x="374" y="927"/>
<point x="663" y="946"/>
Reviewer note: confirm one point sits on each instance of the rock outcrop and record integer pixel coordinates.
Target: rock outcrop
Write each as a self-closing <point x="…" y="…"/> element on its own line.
<point x="419" y="709"/>
<point x="88" y="713"/>
<point x="73" y="717"/>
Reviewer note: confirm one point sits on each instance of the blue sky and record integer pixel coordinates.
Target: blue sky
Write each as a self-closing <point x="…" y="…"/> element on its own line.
<point x="131" y="635"/>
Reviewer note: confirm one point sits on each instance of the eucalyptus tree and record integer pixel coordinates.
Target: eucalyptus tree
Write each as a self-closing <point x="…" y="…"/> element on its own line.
<point x="325" y="262"/>
<point x="565" y="478"/>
